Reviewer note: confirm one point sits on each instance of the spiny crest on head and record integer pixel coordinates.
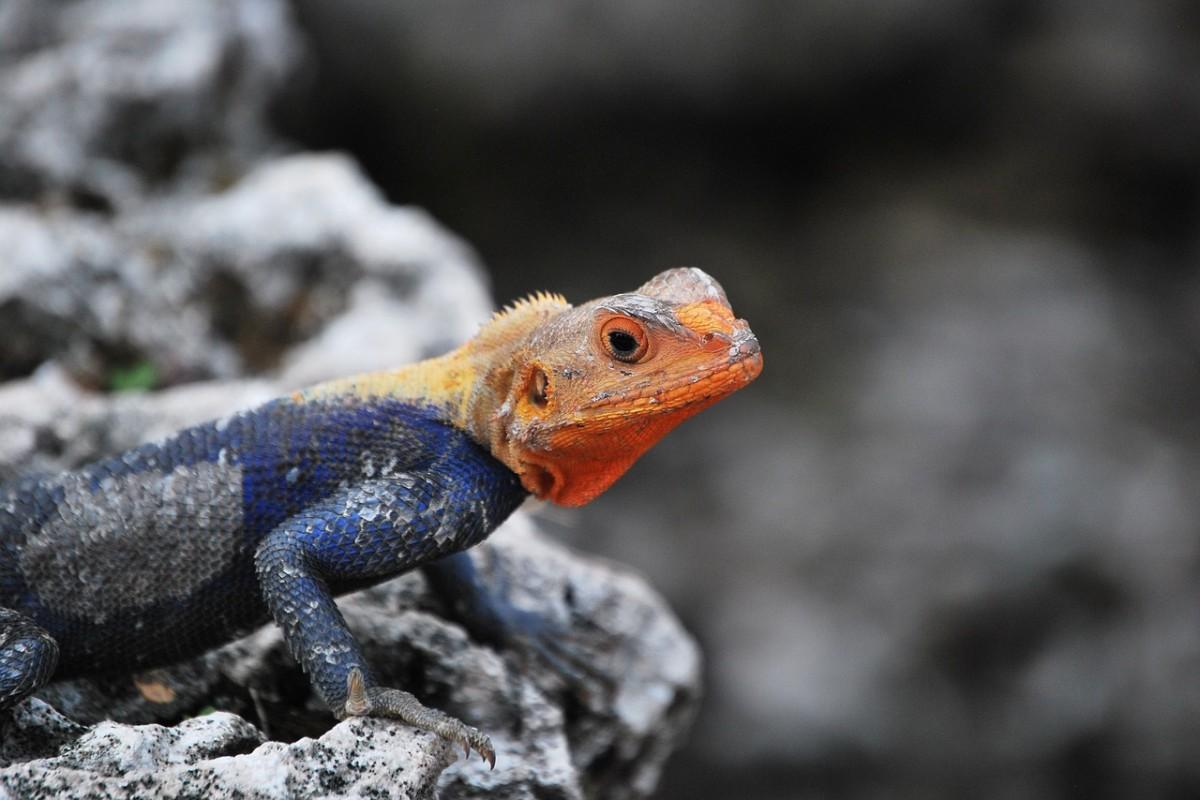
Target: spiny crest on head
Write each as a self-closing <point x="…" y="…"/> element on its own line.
<point x="522" y="314"/>
<point x="531" y="302"/>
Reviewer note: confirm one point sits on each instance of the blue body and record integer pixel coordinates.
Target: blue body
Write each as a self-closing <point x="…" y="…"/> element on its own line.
<point x="172" y="548"/>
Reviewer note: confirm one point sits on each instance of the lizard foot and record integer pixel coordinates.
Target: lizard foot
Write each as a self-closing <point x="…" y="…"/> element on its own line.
<point x="376" y="701"/>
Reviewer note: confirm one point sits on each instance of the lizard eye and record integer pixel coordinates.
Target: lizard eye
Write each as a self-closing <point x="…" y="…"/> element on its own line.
<point x="624" y="339"/>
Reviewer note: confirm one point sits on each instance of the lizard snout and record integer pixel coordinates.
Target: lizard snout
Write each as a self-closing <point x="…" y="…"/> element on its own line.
<point x="740" y="344"/>
<point x="745" y="350"/>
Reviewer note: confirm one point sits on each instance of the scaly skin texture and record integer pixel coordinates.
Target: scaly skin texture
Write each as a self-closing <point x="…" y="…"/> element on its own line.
<point x="174" y="547"/>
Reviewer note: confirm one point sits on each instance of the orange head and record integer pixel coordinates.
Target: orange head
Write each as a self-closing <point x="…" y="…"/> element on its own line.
<point x="595" y="386"/>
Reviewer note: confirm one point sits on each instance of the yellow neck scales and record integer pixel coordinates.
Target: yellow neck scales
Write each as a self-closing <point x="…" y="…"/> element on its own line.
<point x="463" y="387"/>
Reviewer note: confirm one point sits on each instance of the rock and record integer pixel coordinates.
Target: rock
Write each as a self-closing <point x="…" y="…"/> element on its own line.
<point x="76" y="288"/>
<point x="33" y="731"/>
<point x="306" y="239"/>
<point x="222" y="755"/>
<point x="153" y="233"/>
<point x="106" y="101"/>
<point x="219" y="285"/>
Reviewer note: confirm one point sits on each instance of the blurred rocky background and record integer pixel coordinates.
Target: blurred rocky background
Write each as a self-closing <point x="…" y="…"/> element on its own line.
<point x="947" y="545"/>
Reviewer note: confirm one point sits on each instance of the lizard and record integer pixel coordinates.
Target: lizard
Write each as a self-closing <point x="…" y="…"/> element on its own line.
<point x="173" y="547"/>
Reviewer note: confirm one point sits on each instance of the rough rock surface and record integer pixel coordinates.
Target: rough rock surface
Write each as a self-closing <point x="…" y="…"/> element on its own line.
<point x="104" y="102"/>
<point x="216" y="755"/>
<point x="216" y="285"/>
<point x="150" y="222"/>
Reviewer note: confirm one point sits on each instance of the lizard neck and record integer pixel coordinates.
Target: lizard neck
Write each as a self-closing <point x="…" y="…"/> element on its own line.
<point x="467" y="387"/>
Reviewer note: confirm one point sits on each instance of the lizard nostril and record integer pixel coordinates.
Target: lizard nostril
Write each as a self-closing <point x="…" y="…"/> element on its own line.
<point x="714" y="342"/>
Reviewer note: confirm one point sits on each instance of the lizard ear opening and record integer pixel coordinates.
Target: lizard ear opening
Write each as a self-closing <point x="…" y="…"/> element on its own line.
<point x="536" y="390"/>
<point x="539" y="388"/>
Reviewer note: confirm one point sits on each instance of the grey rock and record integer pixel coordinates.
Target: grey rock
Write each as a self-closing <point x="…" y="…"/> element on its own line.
<point x="106" y="101"/>
<point x="213" y="264"/>
<point x="75" y="288"/>
<point x="304" y="239"/>
<point x="35" y="730"/>
<point x="222" y="755"/>
<point x="216" y="285"/>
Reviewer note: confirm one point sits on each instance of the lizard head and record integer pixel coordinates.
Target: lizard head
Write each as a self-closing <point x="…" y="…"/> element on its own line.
<point x="595" y="386"/>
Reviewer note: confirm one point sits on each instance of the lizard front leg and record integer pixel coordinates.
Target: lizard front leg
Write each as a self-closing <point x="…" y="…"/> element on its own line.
<point x="373" y="530"/>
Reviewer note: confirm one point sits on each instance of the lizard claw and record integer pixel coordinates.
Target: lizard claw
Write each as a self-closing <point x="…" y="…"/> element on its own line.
<point x="473" y="739"/>
<point x="483" y="746"/>
<point x="357" y="704"/>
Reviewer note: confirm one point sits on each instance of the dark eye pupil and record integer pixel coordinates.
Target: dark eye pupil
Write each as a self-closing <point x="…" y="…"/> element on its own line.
<point x="622" y="343"/>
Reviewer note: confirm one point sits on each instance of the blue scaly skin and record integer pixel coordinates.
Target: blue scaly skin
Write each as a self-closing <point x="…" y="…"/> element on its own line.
<point x="160" y="553"/>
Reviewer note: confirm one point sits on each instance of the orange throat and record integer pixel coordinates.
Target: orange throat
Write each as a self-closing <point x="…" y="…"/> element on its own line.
<point x="574" y="463"/>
